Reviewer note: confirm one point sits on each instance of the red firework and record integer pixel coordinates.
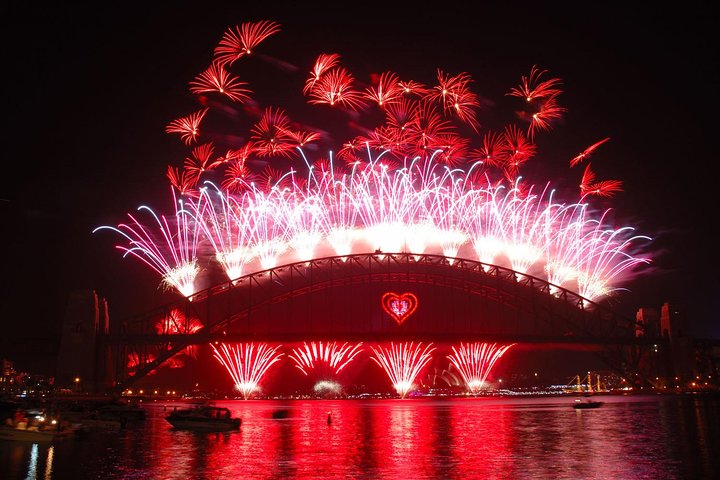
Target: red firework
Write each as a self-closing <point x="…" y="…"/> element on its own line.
<point x="493" y="151"/>
<point x="413" y="88"/>
<point x="603" y="188"/>
<point x="324" y="360"/>
<point x="199" y="162"/>
<point x="336" y="88"/>
<point x="246" y="363"/>
<point x="403" y="363"/>
<point x="532" y="88"/>
<point x="176" y="323"/>
<point x="475" y="361"/>
<point x="455" y="96"/>
<point x="240" y="41"/>
<point x="323" y="63"/>
<point x="183" y="181"/>
<point x="549" y="111"/>
<point x="587" y="152"/>
<point x="518" y="150"/>
<point x="271" y="135"/>
<point x="188" y="127"/>
<point x="217" y="79"/>
<point x="387" y="90"/>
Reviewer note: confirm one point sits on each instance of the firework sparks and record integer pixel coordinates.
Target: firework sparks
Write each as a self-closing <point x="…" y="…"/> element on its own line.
<point x="240" y="41"/>
<point x="247" y="363"/>
<point x="475" y="361"/>
<point x="188" y="127"/>
<point x="169" y="248"/>
<point x="324" y="360"/>
<point x="217" y="79"/>
<point x="402" y="363"/>
<point x="587" y="152"/>
<point x="415" y="183"/>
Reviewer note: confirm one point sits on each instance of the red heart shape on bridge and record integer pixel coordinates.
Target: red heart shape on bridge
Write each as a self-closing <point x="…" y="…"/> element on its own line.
<point x="399" y="307"/>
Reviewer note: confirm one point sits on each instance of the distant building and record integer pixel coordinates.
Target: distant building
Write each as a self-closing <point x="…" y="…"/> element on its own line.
<point x="82" y="363"/>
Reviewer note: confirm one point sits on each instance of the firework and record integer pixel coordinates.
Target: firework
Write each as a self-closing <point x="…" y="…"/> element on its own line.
<point x="324" y="360"/>
<point x="475" y="361"/>
<point x="177" y="323"/>
<point x="423" y="207"/>
<point x="217" y="79"/>
<point x="247" y="363"/>
<point x="402" y="363"/>
<point x="188" y="127"/>
<point x="417" y="182"/>
<point x="168" y="247"/>
<point x="240" y="41"/>
<point x="587" y="152"/>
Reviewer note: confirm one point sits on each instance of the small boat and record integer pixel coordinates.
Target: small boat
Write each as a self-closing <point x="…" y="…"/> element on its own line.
<point x="579" y="404"/>
<point x="33" y="434"/>
<point x="204" y="417"/>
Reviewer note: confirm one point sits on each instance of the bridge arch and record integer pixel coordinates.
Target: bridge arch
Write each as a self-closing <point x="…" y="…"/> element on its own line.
<point x="338" y="297"/>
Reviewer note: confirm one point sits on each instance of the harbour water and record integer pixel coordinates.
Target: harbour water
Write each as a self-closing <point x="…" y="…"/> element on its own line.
<point x="629" y="437"/>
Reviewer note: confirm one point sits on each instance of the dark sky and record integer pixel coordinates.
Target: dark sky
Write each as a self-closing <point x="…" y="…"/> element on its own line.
<point x="88" y="92"/>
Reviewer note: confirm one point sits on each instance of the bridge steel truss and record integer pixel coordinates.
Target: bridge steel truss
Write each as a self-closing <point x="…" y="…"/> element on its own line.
<point x="535" y="310"/>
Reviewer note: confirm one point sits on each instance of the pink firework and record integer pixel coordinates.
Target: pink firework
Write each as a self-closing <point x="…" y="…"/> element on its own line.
<point x="247" y="363"/>
<point x="324" y="360"/>
<point x="475" y="361"/>
<point x="402" y="363"/>
<point x="167" y="246"/>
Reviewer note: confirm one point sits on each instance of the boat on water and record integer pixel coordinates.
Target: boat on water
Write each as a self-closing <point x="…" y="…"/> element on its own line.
<point x="581" y="404"/>
<point x="205" y="418"/>
<point x="32" y="434"/>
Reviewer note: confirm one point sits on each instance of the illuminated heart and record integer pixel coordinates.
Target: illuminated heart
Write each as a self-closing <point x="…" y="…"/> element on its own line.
<point x="399" y="307"/>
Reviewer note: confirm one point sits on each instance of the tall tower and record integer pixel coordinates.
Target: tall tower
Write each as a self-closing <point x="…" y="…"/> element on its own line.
<point x="647" y="323"/>
<point x="672" y="327"/>
<point x="82" y="362"/>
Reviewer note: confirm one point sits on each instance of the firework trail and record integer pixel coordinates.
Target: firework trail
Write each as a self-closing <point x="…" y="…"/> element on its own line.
<point x="402" y="363"/>
<point x="475" y="361"/>
<point x="247" y="363"/>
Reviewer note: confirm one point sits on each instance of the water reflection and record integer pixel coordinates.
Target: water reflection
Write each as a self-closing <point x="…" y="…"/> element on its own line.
<point x="641" y="437"/>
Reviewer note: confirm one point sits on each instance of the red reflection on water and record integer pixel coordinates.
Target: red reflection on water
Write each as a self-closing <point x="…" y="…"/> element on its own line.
<point x="484" y="434"/>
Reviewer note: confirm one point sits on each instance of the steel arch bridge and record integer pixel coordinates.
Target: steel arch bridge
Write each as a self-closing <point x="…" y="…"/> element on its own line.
<point x="338" y="298"/>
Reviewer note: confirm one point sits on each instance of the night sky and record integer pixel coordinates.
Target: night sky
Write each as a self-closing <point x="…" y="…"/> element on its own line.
<point x="88" y="92"/>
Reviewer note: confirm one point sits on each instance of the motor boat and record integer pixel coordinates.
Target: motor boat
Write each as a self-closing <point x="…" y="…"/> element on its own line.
<point x="204" y="417"/>
<point x="581" y="404"/>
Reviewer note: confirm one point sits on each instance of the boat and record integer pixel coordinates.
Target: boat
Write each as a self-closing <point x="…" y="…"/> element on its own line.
<point x="34" y="434"/>
<point x="579" y="404"/>
<point x="204" y="417"/>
